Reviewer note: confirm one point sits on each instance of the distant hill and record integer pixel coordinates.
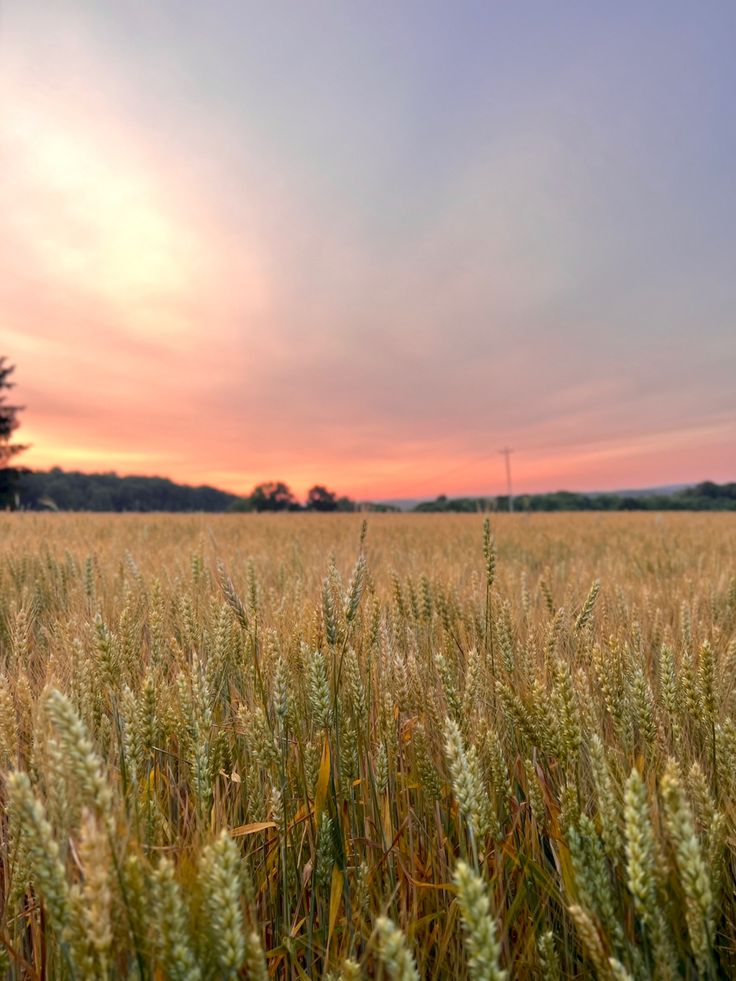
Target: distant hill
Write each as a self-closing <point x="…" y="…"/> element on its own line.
<point x="64" y="490"/>
<point x="648" y="491"/>
<point x="70" y="490"/>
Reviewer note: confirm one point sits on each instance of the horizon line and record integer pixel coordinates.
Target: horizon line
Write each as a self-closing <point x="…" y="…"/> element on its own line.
<point x="386" y="499"/>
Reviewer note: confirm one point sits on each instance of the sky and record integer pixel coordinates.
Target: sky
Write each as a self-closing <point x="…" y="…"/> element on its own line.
<point x="369" y="245"/>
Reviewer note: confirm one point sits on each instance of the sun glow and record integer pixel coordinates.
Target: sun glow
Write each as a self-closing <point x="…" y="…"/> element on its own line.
<point x="95" y="219"/>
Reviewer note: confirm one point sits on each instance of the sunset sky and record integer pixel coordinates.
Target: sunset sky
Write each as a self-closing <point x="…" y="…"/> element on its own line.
<point x="369" y="244"/>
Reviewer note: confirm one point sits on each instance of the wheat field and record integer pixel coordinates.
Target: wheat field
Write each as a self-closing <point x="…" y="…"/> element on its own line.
<point x="298" y="746"/>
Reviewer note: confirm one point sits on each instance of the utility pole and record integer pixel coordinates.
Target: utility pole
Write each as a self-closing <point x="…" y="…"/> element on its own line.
<point x="507" y="453"/>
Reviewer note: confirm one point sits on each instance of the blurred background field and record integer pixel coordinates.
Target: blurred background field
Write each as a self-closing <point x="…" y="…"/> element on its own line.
<point x="631" y="549"/>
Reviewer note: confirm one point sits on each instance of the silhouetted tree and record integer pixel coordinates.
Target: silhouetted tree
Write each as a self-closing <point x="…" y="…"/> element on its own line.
<point x="8" y="424"/>
<point x="273" y="496"/>
<point x="321" y="499"/>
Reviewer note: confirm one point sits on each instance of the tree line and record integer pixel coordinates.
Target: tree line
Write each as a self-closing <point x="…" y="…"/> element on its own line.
<point x="706" y="496"/>
<point x="62" y="490"/>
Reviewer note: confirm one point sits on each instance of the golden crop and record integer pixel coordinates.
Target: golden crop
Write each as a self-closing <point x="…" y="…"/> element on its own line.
<point x="251" y="746"/>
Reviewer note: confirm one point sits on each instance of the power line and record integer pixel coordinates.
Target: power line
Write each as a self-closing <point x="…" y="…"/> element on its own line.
<point x="507" y="453"/>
